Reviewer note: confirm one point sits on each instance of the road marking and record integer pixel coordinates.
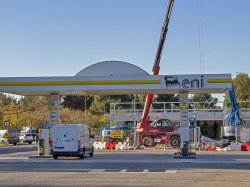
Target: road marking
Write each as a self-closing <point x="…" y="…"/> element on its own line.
<point x="145" y="171"/>
<point x="170" y="171"/>
<point x="96" y="170"/>
<point x="46" y="160"/>
<point x="123" y="170"/>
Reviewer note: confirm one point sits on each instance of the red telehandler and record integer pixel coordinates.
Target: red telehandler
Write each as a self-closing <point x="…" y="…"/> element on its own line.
<point x="155" y="132"/>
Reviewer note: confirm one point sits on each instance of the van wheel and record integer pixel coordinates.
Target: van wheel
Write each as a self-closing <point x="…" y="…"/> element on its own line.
<point x="30" y="142"/>
<point x="92" y="152"/>
<point x="82" y="155"/>
<point x="14" y="143"/>
<point x="55" y="157"/>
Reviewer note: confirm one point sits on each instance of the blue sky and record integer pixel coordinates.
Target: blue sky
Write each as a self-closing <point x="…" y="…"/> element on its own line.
<point x="61" y="37"/>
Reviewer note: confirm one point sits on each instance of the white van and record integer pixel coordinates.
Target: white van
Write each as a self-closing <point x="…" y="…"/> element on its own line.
<point x="71" y="140"/>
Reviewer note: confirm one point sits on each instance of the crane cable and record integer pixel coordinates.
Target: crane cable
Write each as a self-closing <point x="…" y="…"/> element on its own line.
<point x="200" y="34"/>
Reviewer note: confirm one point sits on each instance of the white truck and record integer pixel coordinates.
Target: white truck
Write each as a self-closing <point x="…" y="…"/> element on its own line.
<point x="71" y="140"/>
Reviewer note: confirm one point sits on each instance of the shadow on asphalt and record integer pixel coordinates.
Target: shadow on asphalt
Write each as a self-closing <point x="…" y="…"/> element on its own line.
<point x="130" y="162"/>
<point x="19" y="148"/>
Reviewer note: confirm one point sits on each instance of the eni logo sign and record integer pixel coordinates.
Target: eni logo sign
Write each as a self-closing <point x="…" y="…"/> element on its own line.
<point x="172" y="81"/>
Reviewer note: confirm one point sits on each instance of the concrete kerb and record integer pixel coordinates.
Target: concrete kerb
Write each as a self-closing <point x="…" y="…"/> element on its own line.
<point x="179" y="156"/>
<point x="39" y="156"/>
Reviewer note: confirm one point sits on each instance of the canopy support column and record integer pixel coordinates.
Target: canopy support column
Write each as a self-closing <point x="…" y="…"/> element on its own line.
<point x="184" y="128"/>
<point x="54" y="109"/>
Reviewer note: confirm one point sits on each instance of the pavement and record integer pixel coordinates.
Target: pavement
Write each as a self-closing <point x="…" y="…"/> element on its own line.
<point x="149" y="167"/>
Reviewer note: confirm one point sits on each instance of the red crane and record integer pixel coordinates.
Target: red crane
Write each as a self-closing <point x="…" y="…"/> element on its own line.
<point x="156" y="66"/>
<point x="152" y="131"/>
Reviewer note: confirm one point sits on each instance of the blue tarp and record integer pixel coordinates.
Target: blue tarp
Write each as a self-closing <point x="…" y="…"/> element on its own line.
<point x="117" y="128"/>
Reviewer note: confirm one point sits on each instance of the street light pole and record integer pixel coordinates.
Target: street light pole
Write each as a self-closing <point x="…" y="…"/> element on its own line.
<point x="85" y="106"/>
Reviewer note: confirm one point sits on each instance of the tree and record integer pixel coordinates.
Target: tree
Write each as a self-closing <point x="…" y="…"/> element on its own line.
<point x="68" y="116"/>
<point x="77" y="102"/>
<point x="101" y="104"/>
<point x="139" y="98"/>
<point x="165" y="98"/>
<point x="207" y="101"/>
<point x="71" y="116"/>
<point x="242" y="88"/>
<point x="6" y="99"/>
<point x="7" y="105"/>
<point x="35" y="110"/>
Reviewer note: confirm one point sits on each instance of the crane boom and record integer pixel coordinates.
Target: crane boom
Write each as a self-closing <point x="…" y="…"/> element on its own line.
<point x="156" y="65"/>
<point x="234" y="119"/>
<point x="164" y="30"/>
<point x="235" y="116"/>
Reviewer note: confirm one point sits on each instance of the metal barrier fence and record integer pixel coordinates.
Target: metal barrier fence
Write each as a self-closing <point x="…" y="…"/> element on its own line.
<point x="165" y="107"/>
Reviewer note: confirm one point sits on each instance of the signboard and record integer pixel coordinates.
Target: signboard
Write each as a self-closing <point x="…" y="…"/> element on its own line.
<point x="117" y="134"/>
<point x="229" y="131"/>
<point x="184" y="109"/>
<point x="47" y="126"/>
<point x="53" y="109"/>
<point x="157" y="140"/>
<point x="245" y="135"/>
<point x="197" y="81"/>
<point x="6" y="135"/>
<point x="6" y="123"/>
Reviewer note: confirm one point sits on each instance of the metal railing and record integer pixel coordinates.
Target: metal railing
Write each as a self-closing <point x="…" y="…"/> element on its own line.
<point x="136" y="108"/>
<point x="166" y="107"/>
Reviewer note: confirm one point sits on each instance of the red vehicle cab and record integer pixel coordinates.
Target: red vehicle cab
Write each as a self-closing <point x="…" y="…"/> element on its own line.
<point x="158" y="132"/>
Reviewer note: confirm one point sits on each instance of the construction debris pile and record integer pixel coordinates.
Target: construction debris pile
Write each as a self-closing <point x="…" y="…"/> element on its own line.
<point x="209" y="144"/>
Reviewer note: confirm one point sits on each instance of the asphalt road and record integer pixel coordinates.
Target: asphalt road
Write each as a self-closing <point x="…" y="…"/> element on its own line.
<point x="151" y="167"/>
<point x="19" y="150"/>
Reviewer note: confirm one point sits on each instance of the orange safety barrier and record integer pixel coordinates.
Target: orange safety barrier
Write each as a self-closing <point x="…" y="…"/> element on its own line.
<point x="111" y="145"/>
<point x="245" y="146"/>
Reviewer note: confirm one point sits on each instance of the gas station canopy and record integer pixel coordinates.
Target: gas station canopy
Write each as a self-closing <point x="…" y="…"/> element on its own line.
<point x="116" y="78"/>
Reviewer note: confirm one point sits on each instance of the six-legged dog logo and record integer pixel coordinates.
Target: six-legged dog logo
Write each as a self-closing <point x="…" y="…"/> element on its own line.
<point x="171" y="81"/>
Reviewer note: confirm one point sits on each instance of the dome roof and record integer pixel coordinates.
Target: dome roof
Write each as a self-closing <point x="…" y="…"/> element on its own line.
<point x="111" y="68"/>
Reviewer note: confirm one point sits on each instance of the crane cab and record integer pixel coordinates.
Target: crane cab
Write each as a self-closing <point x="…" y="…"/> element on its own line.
<point x="162" y="124"/>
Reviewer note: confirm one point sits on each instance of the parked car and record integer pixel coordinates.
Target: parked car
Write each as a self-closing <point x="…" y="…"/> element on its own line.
<point x="35" y="137"/>
<point x="9" y="136"/>
<point x="71" y="140"/>
<point x="26" y="138"/>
